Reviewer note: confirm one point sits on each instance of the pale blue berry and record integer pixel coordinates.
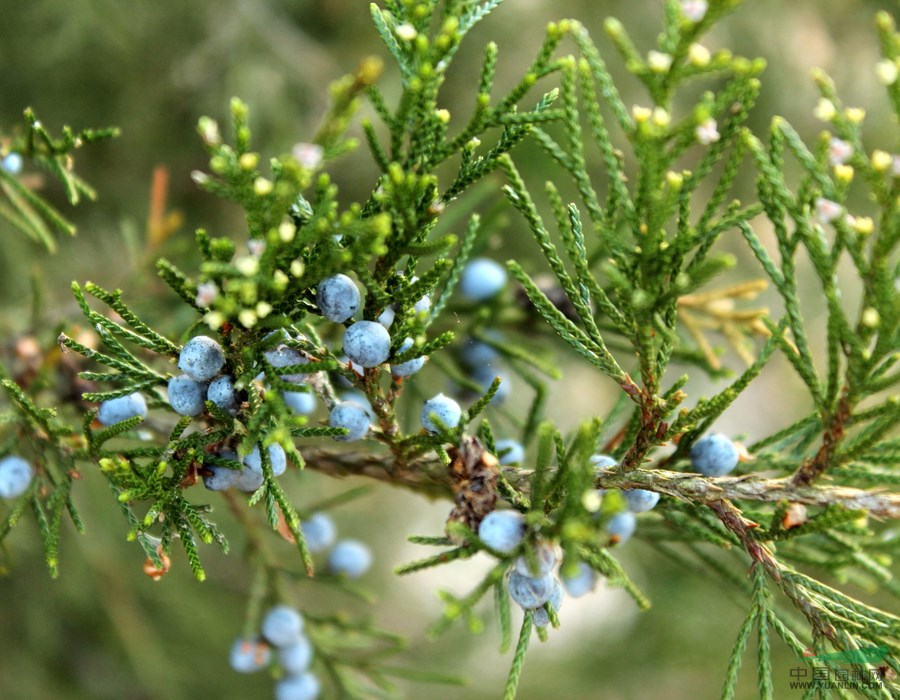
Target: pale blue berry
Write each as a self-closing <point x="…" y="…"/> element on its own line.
<point x="423" y="305"/>
<point x="302" y="402"/>
<point x="319" y="532"/>
<point x="502" y="530"/>
<point x="361" y="399"/>
<point x="510" y="451"/>
<point x="541" y="616"/>
<point x="353" y="417"/>
<point x="296" y="658"/>
<point x="282" y="626"/>
<point x="350" y="558"/>
<point x="186" y="396"/>
<point x="482" y="279"/>
<point x="544" y="559"/>
<point x="12" y="163"/>
<point x="249" y="655"/>
<point x="15" y="476"/>
<point x="387" y="317"/>
<point x="714" y="455"/>
<point x="443" y="409"/>
<point x="640" y="500"/>
<point x="337" y="298"/>
<point x="284" y="356"/>
<point x="622" y="526"/>
<point x="530" y="592"/>
<point x="201" y="358"/>
<point x="276" y="457"/>
<point x="303" y="687"/>
<point x="221" y="392"/>
<point x="600" y="462"/>
<point x="367" y="343"/>
<point x="116" y="410"/>
<point x="581" y="582"/>
<point x="404" y="369"/>
<point x="220" y="478"/>
<point x="476" y="354"/>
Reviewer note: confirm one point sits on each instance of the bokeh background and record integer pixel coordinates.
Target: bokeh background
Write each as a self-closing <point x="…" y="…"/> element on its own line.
<point x="104" y="630"/>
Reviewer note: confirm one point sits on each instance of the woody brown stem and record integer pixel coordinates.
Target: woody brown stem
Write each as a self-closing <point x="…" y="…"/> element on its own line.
<point x="813" y="468"/>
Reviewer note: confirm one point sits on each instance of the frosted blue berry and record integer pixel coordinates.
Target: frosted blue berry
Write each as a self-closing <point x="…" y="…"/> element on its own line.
<point x="319" y="532"/>
<point x="541" y="616"/>
<point x="600" y="462"/>
<point x="404" y="369"/>
<point x="125" y="407"/>
<point x="714" y="455"/>
<point x="482" y="279"/>
<point x="337" y="298"/>
<point x="485" y="377"/>
<point x="221" y="392"/>
<point x="544" y="558"/>
<point x="387" y="317"/>
<point x="353" y="417"/>
<point x="249" y="655"/>
<point x="296" y="658"/>
<point x="361" y="400"/>
<point x="186" y="397"/>
<point x="303" y="687"/>
<point x="444" y="409"/>
<point x="423" y="305"/>
<point x="276" y="457"/>
<point x="622" y="526"/>
<point x="530" y="592"/>
<point x="284" y="356"/>
<point x="476" y="354"/>
<point x="220" y="478"/>
<point x="201" y="358"/>
<point x="302" y="402"/>
<point x="12" y="163"/>
<point x="15" y="476"/>
<point x="367" y="343"/>
<point x="581" y="582"/>
<point x="350" y="558"/>
<point x="510" y="451"/>
<point x="640" y="500"/>
<point x="502" y="530"/>
<point x="282" y="626"/>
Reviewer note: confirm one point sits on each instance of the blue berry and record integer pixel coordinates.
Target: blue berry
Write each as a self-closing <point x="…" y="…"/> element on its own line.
<point x="360" y="399"/>
<point x="502" y="530"/>
<point x="367" y="343"/>
<point x="530" y="592"/>
<point x="445" y="409"/>
<point x="15" y="476"/>
<point x="302" y="402"/>
<point x="201" y="358"/>
<point x="296" y="658"/>
<point x="541" y="616"/>
<point x="12" y="163"/>
<point x="282" y="626"/>
<point x="276" y="457"/>
<point x="350" y="557"/>
<point x="476" y="354"/>
<point x="221" y="393"/>
<point x="545" y="558"/>
<point x="387" y="317"/>
<point x="714" y="455"/>
<point x="284" y="356"/>
<point x="220" y="478"/>
<point x="485" y="376"/>
<point x="423" y="305"/>
<point x="404" y="369"/>
<point x="125" y="407"/>
<point x="319" y="532"/>
<point x="621" y="526"/>
<point x="186" y="396"/>
<point x="640" y="500"/>
<point x="482" y="279"/>
<point x="510" y="451"/>
<point x="303" y="687"/>
<point x="337" y="298"/>
<point x="249" y="655"/>
<point x="350" y="415"/>
<point x="600" y="462"/>
<point x="581" y="582"/>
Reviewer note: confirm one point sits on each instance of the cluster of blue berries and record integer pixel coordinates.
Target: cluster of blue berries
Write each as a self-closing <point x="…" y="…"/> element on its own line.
<point x="15" y="476"/>
<point x="249" y="475"/>
<point x="350" y="558"/>
<point x="621" y="525"/>
<point x="282" y="631"/>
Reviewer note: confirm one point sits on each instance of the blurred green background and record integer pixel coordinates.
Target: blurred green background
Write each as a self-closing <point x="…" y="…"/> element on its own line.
<point x="104" y="630"/>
